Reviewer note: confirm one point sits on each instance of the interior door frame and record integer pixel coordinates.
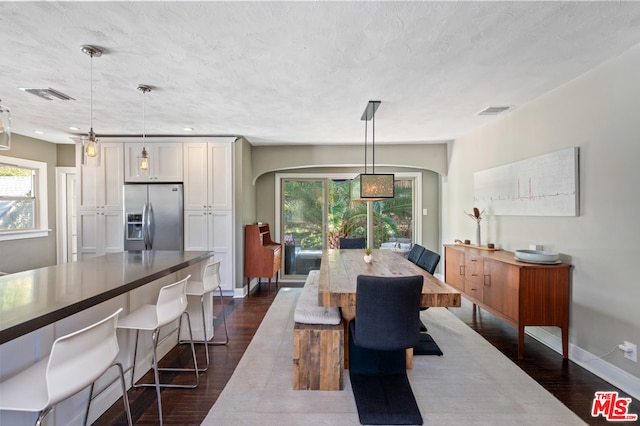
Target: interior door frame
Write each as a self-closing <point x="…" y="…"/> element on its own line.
<point x="63" y="233"/>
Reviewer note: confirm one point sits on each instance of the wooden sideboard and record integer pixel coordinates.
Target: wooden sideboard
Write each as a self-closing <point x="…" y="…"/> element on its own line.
<point x="521" y="294"/>
<point x="262" y="256"/>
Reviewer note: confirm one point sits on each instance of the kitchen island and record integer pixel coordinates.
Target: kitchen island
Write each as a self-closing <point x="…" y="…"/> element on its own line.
<point x="40" y="305"/>
<point x="35" y="298"/>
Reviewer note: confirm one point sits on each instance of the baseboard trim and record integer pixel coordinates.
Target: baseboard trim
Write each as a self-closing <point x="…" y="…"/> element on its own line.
<point x="601" y="368"/>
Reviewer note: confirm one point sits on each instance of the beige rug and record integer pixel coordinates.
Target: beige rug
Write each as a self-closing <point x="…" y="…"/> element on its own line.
<point x="472" y="384"/>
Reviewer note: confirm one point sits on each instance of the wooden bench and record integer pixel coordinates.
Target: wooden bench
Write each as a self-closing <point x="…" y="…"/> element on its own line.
<point x="318" y="342"/>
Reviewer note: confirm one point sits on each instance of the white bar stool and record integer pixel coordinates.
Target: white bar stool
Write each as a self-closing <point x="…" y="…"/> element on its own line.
<point x="209" y="283"/>
<point x="171" y="306"/>
<point x="76" y="361"/>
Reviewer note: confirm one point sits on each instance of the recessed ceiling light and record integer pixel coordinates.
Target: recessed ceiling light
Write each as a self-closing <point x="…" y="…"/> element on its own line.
<point x="188" y="129"/>
<point x="38" y="132"/>
<point x="75" y="129"/>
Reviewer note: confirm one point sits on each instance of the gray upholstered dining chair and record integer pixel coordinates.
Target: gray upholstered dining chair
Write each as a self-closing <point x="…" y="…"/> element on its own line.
<point x="386" y="324"/>
<point x="353" y="243"/>
<point x="428" y="261"/>
<point x="415" y="253"/>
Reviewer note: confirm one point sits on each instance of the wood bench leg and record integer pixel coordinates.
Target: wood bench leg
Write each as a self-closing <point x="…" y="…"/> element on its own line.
<point x="348" y="313"/>
<point x="317" y="357"/>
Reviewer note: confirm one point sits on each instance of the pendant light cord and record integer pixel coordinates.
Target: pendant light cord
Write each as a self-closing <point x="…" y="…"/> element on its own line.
<point x="365" y="146"/>
<point x="373" y="142"/>
<point x="143" y="121"/>
<point x="91" y="96"/>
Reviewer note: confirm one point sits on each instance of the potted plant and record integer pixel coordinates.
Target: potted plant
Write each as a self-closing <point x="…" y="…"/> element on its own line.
<point x="367" y="255"/>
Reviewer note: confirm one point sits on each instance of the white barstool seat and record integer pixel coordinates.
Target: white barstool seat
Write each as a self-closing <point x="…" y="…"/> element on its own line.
<point x="76" y="361"/>
<point x="209" y="283"/>
<point x="171" y="306"/>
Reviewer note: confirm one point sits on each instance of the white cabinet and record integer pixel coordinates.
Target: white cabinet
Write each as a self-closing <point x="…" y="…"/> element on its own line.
<point x="101" y="187"/>
<point x="100" y="232"/>
<point x="165" y="162"/>
<point x="208" y="176"/>
<point x="208" y="205"/>
<point x="213" y="231"/>
<point x="100" y="218"/>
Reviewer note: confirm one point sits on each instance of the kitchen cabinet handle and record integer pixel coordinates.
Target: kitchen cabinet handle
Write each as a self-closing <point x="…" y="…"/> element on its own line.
<point x="462" y="270"/>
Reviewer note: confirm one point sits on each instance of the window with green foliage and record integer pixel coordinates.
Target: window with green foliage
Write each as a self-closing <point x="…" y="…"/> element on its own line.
<point x="17" y="198"/>
<point x="317" y="211"/>
<point x="393" y="218"/>
<point x="22" y="198"/>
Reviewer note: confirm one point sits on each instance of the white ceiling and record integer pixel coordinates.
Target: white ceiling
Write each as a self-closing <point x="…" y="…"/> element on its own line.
<point x="297" y="72"/>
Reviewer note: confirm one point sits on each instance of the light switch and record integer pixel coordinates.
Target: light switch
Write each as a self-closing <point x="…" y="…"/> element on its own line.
<point x="424" y="212"/>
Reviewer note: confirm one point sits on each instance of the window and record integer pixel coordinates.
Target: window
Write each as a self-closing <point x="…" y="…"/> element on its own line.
<point x="23" y="206"/>
<point x="316" y="210"/>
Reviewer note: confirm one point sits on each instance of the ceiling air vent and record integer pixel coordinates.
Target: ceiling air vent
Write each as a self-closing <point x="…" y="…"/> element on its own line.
<point x="48" y="94"/>
<point x="493" y="110"/>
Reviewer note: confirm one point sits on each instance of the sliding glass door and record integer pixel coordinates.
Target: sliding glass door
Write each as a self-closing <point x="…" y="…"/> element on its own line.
<point x="317" y="212"/>
<point x="303" y="224"/>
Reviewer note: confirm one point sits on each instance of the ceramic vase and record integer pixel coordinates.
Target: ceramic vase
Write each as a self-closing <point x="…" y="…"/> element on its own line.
<point x="368" y="258"/>
<point x="478" y="241"/>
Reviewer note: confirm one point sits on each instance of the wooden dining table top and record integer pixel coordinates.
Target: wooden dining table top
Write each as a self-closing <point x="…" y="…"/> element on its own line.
<point x="339" y="271"/>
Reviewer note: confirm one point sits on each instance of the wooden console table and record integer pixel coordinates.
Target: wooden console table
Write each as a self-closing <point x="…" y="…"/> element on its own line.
<point x="521" y="294"/>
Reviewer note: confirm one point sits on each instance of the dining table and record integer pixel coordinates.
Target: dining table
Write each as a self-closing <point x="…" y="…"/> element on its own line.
<point x="337" y="284"/>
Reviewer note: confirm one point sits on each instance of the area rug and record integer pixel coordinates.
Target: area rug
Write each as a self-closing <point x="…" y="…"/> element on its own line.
<point x="472" y="384"/>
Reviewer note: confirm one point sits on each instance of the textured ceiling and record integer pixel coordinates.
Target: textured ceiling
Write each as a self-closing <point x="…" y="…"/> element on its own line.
<point x="297" y="72"/>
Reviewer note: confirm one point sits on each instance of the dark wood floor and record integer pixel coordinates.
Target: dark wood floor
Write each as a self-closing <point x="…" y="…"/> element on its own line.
<point x="570" y="383"/>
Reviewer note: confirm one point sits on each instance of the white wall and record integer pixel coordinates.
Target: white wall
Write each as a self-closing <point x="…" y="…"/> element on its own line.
<point x="600" y="113"/>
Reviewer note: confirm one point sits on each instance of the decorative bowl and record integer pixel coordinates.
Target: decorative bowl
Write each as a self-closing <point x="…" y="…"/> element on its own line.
<point x="537" y="256"/>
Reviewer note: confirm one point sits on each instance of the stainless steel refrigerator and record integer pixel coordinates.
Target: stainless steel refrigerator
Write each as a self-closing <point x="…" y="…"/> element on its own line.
<point x="153" y="214"/>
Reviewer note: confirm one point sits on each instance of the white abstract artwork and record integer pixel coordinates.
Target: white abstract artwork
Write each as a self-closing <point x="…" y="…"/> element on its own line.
<point x="546" y="185"/>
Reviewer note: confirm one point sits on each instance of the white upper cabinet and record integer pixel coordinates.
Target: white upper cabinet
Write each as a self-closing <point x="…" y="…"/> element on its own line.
<point x="100" y="223"/>
<point x="101" y="187"/>
<point x="165" y="162"/>
<point x="221" y="175"/>
<point x="208" y="176"/>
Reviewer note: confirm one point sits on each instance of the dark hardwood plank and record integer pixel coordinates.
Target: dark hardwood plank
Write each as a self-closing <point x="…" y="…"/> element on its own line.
<point x="574" y="386"/>
<point x="188" y="407"/>
<point x="571" y="384"/>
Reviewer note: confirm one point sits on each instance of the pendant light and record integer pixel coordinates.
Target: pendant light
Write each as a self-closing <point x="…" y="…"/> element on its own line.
<point x="143" y="159"/>
<point x="90" y="148"/>
<point x="372" y="186"/>
<point x="5" y="128"/>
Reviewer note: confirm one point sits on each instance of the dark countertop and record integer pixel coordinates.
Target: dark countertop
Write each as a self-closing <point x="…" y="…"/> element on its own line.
<point x="33" y="299"/>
